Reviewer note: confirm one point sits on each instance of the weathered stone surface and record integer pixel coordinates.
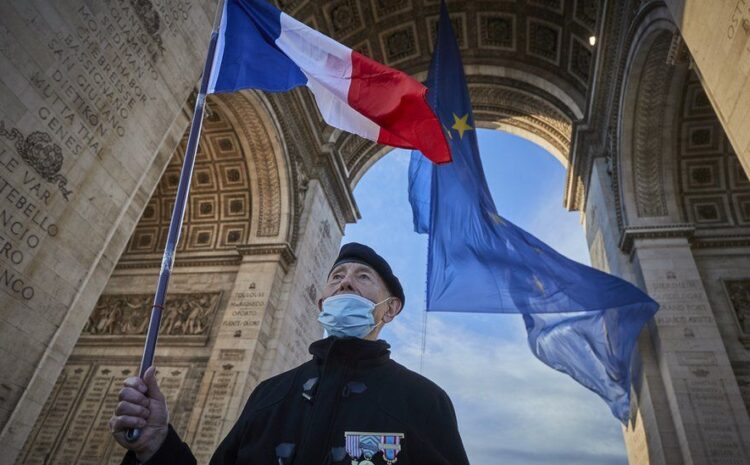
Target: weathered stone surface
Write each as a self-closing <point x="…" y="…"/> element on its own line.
<point x="78" y="81"/>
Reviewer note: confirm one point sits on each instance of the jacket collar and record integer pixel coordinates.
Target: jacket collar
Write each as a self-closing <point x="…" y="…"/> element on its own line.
<point x="350" y="351"/>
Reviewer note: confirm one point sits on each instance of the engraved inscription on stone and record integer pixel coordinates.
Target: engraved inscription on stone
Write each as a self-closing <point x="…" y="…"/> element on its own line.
<point x="96" y="73"/>
<point x="682" y="301"/>
<point x="207" y="435"/>
<point x="89" y="93"/>
<point x="718" y="429"/>
<point x="245" y="310"/>
<point x="73" y="427"/>
<point x="739" y="21"/>
<point x="57" y="409"/>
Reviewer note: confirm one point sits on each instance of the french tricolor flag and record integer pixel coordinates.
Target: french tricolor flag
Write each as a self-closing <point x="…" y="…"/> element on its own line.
<point x="260" y="47"/>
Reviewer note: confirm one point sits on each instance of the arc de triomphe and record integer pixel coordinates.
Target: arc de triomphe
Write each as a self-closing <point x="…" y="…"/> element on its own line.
<point x="652" y="123"/>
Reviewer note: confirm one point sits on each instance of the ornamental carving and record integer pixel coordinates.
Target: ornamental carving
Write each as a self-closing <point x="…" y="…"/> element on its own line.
<point x="400" y="43"/>
<point x="544" y="41"/>
<point x="580" y="60"/>
<point x="41" y="154"/>
<point x="648" y="129"/>
<point x="586" y="12"/>
<point x="290" y="5"/>
<point x="353" y="148"/>
<point x="526" y="112"/>
<point x="497" y="30"/>
<point x="183" y="315"/>
<point x="384" y="8"/>
<point x="739" y="298"/>
<point x="344" y="18"/>
<point x="151" y="22"/>
<point x="218" y="212"/>
<point x="266" y="168"/>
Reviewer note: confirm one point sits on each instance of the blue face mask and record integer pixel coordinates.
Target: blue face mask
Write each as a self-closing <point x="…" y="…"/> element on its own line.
<point x="348" y="315"/>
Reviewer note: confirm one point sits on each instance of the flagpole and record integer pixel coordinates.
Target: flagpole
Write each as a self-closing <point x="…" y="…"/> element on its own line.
<point x="178" y="214"/>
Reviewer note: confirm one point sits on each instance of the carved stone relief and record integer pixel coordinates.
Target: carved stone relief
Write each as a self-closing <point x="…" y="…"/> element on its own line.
<point x="400" y="43"/>
<point x="581" y="59"/>
<point x="497" y="30"/>
<point x="344" y="18"/>
<point x="458" y="23"/>
<point x="128" y="315"/>
<point x="586" y="12"/>
<point x="544" y="40"/>
<point x="41" y="153"/>
<point x="384" y="8"/>
<point x="738" y="292"/>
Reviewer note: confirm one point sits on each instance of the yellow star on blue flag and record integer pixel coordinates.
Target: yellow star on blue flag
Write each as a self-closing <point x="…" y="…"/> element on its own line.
<point x="461" y="125"/>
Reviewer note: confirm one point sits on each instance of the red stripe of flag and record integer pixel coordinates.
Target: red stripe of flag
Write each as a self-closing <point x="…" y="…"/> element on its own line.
<point x="396" y="102"/>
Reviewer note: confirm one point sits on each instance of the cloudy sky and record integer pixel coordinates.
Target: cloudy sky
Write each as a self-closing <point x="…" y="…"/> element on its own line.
<point x="511" y="408"/>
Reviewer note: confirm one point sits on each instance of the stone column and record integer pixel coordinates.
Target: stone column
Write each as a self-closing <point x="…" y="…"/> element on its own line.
<point x="296" y="324"/>
<point x="237" y="355"/>
<point x="649" y="437"/>
<point x="710" y="420"/>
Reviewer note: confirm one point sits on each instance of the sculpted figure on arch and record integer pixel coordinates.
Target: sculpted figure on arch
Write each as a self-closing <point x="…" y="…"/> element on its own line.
<point x="350" y="404"/>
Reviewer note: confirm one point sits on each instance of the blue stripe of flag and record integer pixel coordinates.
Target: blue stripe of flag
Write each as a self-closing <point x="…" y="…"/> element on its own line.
<point x="250" y="57"/>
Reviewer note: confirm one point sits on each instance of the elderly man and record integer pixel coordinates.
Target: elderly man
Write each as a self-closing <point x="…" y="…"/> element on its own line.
<point x="350" y="404"/>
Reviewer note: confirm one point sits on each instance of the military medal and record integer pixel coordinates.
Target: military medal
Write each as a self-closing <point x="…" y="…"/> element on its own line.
<point x="369" y="443"/>
<point x="366" y="445"/>
<point x="352" y="446"/>
<point x="390" y="446"/>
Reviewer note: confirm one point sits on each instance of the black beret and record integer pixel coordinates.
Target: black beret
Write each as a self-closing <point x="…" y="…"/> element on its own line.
<point x="360" y="253"/>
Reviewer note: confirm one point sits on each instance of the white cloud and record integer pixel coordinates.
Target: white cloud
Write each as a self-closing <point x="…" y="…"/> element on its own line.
<point x="509" y="405"/>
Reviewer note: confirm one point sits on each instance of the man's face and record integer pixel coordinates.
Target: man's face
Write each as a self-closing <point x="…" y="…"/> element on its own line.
<point x="360" y="279"/>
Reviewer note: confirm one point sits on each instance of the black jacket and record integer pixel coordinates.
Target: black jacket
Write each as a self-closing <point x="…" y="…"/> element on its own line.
<point x="302" y="416"/>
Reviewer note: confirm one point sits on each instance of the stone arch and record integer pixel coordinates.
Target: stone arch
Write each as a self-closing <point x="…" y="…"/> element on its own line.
<point x="239" y="193"/>
<point x="502" y="99"/>
<point x="649" y="105"/>
<point x="267" y="164"/>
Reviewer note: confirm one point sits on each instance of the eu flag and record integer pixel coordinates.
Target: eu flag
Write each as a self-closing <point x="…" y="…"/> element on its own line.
<point x="579" y="320"/>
